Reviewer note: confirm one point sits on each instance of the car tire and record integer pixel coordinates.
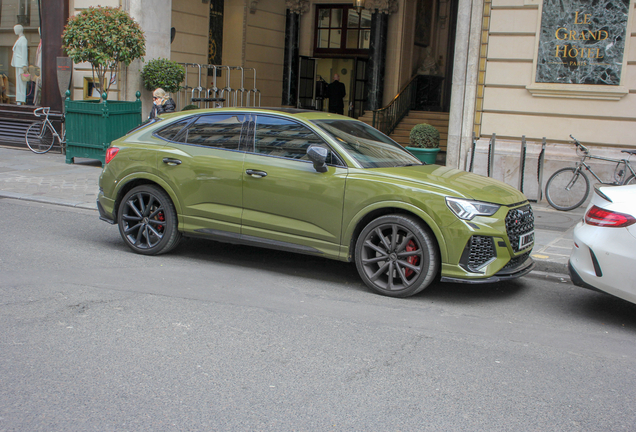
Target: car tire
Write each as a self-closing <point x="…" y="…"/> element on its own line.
<point x="147" y="221"/>
<point x="396" y="256"/>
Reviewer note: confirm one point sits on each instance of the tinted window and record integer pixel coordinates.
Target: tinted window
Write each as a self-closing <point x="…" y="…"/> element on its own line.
<point x="172" y="130"/>
<point x="284" y="138"/>
<point x="220" y="131"/>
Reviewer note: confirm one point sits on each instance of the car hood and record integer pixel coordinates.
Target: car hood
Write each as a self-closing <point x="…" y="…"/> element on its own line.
<point x="456" y="183"/>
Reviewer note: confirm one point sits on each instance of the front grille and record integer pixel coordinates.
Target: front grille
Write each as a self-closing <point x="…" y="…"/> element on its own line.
<point x="479" y="251"/>
<point x="519" y="221"/>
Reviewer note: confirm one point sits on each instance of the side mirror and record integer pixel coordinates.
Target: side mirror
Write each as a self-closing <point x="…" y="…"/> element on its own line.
<point x="318" y="155"/>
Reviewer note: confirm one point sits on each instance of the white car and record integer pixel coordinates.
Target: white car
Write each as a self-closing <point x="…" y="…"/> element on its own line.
<point x="604" y="253"/>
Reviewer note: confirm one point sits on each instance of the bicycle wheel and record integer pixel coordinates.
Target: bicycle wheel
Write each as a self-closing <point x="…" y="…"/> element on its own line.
<point x="39" y="138"/>
<point x="567" y="189"/>
<point x="630" y="181"/>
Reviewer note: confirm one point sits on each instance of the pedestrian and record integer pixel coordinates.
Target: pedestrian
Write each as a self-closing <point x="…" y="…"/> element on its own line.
<point x="336" y="92"/>
<point x="161" y="103"/>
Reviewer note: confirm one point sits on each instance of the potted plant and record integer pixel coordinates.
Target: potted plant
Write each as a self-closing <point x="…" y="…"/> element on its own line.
<point x="424" y="142"/>
<point x="105" y="37"/>
<point x="163" y="73"/>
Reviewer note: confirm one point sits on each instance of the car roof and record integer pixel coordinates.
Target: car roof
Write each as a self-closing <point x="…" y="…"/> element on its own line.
<point x="303" y="114"/>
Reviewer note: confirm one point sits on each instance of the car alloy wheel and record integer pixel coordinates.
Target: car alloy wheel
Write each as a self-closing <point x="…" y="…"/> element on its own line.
<point x="396" y="256"/>
<point x="148" y="221"/>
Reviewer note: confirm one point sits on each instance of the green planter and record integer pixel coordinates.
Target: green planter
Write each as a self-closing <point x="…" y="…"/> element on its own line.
<point x="91" y="125"/>
<point x="427" y="155"/>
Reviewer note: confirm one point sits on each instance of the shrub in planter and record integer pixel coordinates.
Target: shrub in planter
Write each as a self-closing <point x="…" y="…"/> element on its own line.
<point x="103" y="37"/>
<point x="163" y="73"/>
<point x="424" y="142"/>
<point x="424" y="135"/>
<point x="190" y="107"/>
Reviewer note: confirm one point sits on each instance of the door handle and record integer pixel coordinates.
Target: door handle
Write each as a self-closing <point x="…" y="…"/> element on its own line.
<point x="171" y="161"/>
<point x="256" y="173"/>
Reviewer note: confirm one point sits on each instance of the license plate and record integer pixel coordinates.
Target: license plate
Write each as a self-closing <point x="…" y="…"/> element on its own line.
<point x="526" y="240"/>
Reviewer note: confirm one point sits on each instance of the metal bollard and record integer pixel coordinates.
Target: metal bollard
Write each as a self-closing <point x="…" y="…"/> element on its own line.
<point x="491" y="154"/>
<point x="522" y="162"/>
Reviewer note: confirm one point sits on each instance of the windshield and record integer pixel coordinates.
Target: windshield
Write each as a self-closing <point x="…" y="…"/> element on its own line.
<point x="367" y="145"/>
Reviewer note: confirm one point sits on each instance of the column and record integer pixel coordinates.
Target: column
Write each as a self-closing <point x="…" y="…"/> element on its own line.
<point x="154" y="17"/>
<point x="291" y="60"/>
<point x="54" y="14"/>
<point x="464" y="87"/>
<point x="377" y="60"/>
<point x="380" y="11"/>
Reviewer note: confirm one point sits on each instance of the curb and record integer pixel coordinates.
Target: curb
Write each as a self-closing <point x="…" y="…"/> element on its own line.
<point x="551" y="267"/>
<point x="47" y="200"/>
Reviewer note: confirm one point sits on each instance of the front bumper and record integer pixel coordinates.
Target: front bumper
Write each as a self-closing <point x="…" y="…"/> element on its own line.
<point x="515" y="272"/>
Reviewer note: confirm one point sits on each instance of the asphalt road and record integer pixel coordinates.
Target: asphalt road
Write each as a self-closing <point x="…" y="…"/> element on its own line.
<point x="229" y="338"/>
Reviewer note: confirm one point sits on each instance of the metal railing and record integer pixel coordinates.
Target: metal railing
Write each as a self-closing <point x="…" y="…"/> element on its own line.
<point x="386" y="119"/>
<point x="217" y="96"/>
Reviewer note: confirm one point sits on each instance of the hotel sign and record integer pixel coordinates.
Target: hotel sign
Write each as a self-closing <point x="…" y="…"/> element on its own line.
<point x="582" y="42"/>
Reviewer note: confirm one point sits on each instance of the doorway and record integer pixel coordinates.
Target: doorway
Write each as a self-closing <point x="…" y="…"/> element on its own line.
<point x="352" y="73"/>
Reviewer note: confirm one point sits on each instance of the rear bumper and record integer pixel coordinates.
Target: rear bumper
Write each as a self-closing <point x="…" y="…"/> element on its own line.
<point x="578" y="281"/>
<point x="103" y="214"/>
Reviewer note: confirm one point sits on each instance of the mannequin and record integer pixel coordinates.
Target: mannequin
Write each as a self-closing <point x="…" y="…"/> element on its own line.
<point x="20" y="59"/>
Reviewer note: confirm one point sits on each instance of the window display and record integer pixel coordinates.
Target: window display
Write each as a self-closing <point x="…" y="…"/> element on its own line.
<point x="20" y="52"/>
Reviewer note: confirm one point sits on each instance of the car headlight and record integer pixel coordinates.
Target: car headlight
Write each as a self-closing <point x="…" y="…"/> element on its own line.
<point x="467" y="210"/>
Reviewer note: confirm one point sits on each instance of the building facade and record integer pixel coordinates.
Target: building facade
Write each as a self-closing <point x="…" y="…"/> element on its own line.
<point x="527" y="71"/>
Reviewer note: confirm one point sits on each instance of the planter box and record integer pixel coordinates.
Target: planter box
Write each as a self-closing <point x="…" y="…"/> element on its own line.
<point x="427" y="155"/>
<point x="91" y="126"/>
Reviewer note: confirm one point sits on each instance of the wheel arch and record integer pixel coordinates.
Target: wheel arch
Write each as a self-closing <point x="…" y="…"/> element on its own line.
<point x="365" y="216"/>
<point x="132" y="181"/>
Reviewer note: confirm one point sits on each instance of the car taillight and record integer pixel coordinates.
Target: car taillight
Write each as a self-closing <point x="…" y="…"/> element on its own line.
<point x="605" y="218"/>
<point x="110" y="153"/>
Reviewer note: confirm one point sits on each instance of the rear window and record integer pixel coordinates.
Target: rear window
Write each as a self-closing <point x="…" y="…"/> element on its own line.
<point x="143" y="125"/>
<point x="171" y="131"/>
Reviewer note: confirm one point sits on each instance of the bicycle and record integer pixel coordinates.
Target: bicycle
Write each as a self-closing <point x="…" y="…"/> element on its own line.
<point x="40" y="136"/>
<point x="568" y="188"/>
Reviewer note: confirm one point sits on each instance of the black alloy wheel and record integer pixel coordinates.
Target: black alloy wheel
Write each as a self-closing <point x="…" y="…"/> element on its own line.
<point x="396" y="256"/>
<point x="148" y="221"/>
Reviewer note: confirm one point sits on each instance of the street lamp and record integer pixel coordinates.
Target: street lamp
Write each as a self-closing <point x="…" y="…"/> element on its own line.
<point x="359" y="5"/>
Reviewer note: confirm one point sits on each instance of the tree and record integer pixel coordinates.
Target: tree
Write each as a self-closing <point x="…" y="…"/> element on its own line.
<point x="103" y="37"/>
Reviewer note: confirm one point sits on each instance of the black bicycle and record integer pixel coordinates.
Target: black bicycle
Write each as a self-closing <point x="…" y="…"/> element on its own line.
<point x="568" y="188"/>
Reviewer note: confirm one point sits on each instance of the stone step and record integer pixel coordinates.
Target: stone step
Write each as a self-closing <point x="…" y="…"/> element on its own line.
<point x="428" y="115"/>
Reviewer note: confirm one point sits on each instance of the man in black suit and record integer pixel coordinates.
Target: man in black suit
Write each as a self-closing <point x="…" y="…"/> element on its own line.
<point x="336" y="92"/>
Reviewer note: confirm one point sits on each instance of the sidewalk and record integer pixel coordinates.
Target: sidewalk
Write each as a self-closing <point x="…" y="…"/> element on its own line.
<point x="47" y="178"/>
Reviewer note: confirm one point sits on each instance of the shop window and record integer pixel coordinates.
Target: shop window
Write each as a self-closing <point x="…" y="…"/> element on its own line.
<point x="20" y="76"/>
<point x="340" y="29"/>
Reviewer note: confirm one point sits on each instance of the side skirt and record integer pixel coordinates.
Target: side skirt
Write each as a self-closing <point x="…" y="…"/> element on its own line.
<point x="241" y="239"/>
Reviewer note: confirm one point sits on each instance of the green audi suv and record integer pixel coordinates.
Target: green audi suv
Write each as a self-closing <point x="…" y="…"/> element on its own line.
<point x="313" y="183"/>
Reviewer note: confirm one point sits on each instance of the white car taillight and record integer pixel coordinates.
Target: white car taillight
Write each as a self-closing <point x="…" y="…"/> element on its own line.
<point x="606" y="218"/>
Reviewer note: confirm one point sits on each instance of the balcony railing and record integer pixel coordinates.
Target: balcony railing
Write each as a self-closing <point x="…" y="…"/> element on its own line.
<point x="386" y="119"/>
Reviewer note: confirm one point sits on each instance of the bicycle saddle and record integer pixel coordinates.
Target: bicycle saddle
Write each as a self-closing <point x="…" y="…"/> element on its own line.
<point x="629" y="151"/>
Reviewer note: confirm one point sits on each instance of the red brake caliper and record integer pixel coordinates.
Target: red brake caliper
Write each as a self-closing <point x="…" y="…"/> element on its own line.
<point x="161" y="218"/>
<point x="413" y="260"/>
